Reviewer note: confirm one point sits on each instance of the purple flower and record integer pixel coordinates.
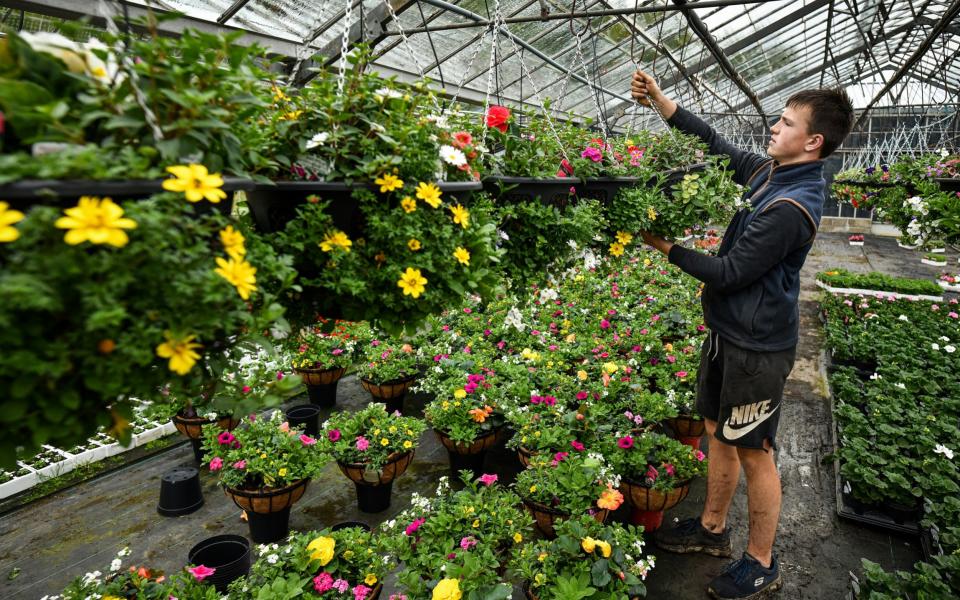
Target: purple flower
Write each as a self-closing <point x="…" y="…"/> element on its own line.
<point x="341" y="585"/>
<point x="592" y="153"/>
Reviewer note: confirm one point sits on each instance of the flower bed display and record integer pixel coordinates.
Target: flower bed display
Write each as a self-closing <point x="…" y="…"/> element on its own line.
<point x="841" y="281"/>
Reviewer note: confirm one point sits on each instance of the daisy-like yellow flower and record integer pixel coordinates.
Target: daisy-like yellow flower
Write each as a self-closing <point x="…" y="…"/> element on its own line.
<point x="384" y="442"/>
<point x="413" y="244"/>
<point x="8" y="217"/>
<point x="408" y="444"/>
<point x="282" y="472"/>
<point x="460" y="215"/>
<point x="233" y="242"/>
<point x="616" y="249"/>
<point x="408" y="204"/>
<point x="370" y="579"/>
<point x="96" y="221"/>
<point x="412" y="282"/>
<point x="429" y="193"/>
<point x="462" y="255"/>
<point x="517" y="538"/>
<point x="278" y="94"/>
<point x="460" y="393"/>
<point x="624" y="237"/>
<point x="239" y="273"/>
<point x="336" y="239"/>
<point x="651" y="213"/>
<point x="388" y="183"/>
<point x="291" y="115"/>
<point x="196" y="183"/>
<point x="182" y="352"/>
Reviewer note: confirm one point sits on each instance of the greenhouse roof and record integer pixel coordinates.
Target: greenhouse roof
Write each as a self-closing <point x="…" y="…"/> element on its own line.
<point x="740" y="59"/>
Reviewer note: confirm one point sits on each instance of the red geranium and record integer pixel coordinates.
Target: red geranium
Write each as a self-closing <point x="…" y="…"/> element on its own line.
<point x="497" y="116"/>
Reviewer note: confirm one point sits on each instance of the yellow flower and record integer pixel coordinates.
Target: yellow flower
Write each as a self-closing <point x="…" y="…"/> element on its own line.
<point x="233" y="242"/>
<point x="540" y="579"/>
<point x="533" y="489"/>
<point x="588" y="544"/>
<point x="370" y="579"/>
<point x="610" y="367"/>
<point x="8" y="233"/>
<point x="582" y="375"/>
<point x="392" y="429"/>
<point x="388" y="183"/>
<point x="412" y="282"/>
<point x="322" y="549"/>
<point x="429" y="193"/>
<point x="460" y="393"/>
<point x="335" y="239"/>
<point x="348" y="554"/>
<point x="604" y="548"/>
<point x="624" y="237"/>
<point x="196" y="183"/>
<point x="282" y="472"/>
<point x="476" y="522"/>
<point x="647" y="262"/>
<point x="651" y="213"/>
<point x="517" y="538"/>
<point x="616" y="249"/>
<point x="291" y="115"/>
<point x="542" y="556"/>
<point x="181" y="352"/>
<point x="384" y="442"/>
<point x="462" y="255"/>
<point x="461" y="215"/>
<point x="408" y="444"/>
<point x="278" y="94"/>
<point x="95" y="221"/>
<point x="240" y="273"/>
<point x="447" y="589"/>
<point x="110" y="597"/>
<point x="413" y="244"/>
<point x="408" y="204"/>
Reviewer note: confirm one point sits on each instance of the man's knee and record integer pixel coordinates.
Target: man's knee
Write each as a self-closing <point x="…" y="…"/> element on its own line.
<point x="711" y="426"/>
<point x="754" y="459"/>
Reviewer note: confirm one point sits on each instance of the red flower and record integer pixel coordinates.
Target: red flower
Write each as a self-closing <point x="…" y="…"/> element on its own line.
<point x="497" y="116"/>
<point x="462" y="139"/>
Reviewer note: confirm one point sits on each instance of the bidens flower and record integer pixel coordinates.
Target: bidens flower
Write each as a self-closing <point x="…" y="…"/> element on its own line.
<point x="195" y="182"/>
<point x="412" y="282"/>
<point x="462" y="255"/>
<point x="181" y="352"/>
<point x="8" y="233"/>
<point x="96" y="221"/>
<point x="429" y="193"/>
<point x="388" y="183"/>
<point x="461" y="215"/>
<point x="240" y="273"/>
<point x="336" y="239"/>
<point x="321" y="549"/>
<point x="232" y="241"/>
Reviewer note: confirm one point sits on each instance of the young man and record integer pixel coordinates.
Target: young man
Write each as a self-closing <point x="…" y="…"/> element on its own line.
<point x="750" y="306"/>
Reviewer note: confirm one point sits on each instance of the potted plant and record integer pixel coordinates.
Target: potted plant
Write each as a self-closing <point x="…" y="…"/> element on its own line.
<point x="934" y="260"/>
<point x="349" y="563"/>
<point x="387" y="369"/>
<point x="655" y="473"/>
<point x="457" y="544"/>
<point x="569" y="483"/>
<point x="372" y="448"/>
<point x="856" y="239"/>
<point x="264" y="467"/>
<point x="322" y="357"/>
<point x="585" y="557"/>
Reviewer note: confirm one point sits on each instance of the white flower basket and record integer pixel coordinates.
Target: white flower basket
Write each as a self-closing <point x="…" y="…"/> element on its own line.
<point x="878" y="293"/>
<point x="950" y="287"/>
<point x="856" y="243"/>
<point x="933" y="263"/>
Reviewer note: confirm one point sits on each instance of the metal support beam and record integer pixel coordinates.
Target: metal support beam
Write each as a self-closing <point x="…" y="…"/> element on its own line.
<point x="945" y="20"/>
<point x="232" y="10"/>
<point x="711" y="43"/>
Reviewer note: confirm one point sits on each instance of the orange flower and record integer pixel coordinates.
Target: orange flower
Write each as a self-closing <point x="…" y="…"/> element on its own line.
<point x="479" y="415"/>
<point x="487" y="409"/>
<point x="610" y="499"/>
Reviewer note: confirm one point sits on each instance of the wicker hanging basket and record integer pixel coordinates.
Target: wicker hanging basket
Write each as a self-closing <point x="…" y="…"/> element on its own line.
<point x="481" y="444"/>
<point x="320" y="376"/>
<point x="687" y="426"/>
<point x="388" y="389"/>
<point x="395" y="466"/>
<point x="642" y="497"/>
<point x="546" y="516"/>
<point x="267" y="500"/>
<point x="192" y="427"/>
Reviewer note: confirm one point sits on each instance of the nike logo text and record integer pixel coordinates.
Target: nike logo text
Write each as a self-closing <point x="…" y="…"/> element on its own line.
<point x="749" y="415"/>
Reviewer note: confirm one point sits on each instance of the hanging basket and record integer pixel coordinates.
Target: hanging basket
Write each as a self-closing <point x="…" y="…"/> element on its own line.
<point x="687" y="426"/>
<point x="266" y="500"/>
<point x="192" y="427"/>
<point x="388" y="390"/>
<point x="320" y="376"/>
<point x="642" y="497"/>
<point x="481" y="444"/>
<point x="525" y="456"/>
<point x="546" y="516"/>
<point x="550" y="191"/>
<point x="395" y="466"/>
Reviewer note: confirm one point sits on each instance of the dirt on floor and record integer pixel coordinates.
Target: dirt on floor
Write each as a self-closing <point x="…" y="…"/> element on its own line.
<point x="47" y="543"/>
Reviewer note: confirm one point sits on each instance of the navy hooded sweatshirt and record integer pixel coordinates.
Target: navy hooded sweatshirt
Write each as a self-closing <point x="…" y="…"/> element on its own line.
<point x="753" y="284"/>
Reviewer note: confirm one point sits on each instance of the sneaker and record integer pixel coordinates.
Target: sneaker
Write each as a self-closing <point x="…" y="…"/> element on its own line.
<point x="746" y="579"/>
<point x="690" y="535"/>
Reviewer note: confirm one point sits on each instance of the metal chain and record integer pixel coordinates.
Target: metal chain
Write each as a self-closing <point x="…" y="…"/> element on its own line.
<point x="494" y="39"/>
<point x="593" y="92"/>
<point x="466" y="71"/>
<point x="141" y="100"/>
<point x="408" y="46"/>
<point x="344" y="48"/>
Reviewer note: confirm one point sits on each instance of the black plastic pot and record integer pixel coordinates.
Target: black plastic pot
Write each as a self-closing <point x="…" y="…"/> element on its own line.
<point x="348" y="524"/>
<point x="180" y="492"/>
<point x="266" y="528"/>
<point x="306" y="415"/>
<point x="228" y="554"/>
<point x="374" y="498"/>
<point x="324" y="396"/>
<point x="471" y="462"/>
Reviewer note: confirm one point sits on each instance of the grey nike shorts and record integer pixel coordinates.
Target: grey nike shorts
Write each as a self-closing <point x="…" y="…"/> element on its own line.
<point x="742" y="390"/>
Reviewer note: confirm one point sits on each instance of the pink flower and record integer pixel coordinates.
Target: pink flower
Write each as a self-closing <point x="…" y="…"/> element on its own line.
<point x="952" y="315"/>
<point x="488" y="479"/>
<point x="376" y="343"/>
<point x="671" y="359"/>
<point x="414" y="526"/>
<point x="306" y="440"/>
<point x="576" y="445"/>
<point x="467" y="543"/>
<point x="486" y="332"/>
<point x="592" y="153"/>
<point x="535" y="332"/>
<point x="581" y="395"/>
<point x="303" y="348"/>
<point x="626" y="442"/>
<point x="644" y="331"/>
<point x="337" y="351"/>
<point x="652" y="473"/>
<point x="360" y="592"/>
<point x="700" y="455"/>
<point x="240" y="464"/>
<point x="559" y="457"/>
<point x="397" y="597"/>
<point x="226" y="438"/>
<point x="323" y="582"/>
<point x="285" y="427"/>
<point x="604" y="324"/>
<point x="279" y="375"/>
<point x="467" y="310"/>
<point x="670" y="470"/>
<point x="549" y="400"/>
<point x="201" y="572"/>
<point x="341" y="585"/>
<point x="362" y="443"/>
<point x="216" y="464"/>
<point x="246" y="389"/>
<point x="681" y="374"/>
<point x="452" y="555"/>
<point x="701" y="328"/>
<point x="535" y="399"/>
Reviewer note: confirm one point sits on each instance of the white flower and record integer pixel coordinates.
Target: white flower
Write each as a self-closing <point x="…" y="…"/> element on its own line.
<point x="272" y="559"/>
<point x="125" y="551"/>
<point x="452" y="156"/>
<point x="503" y="235"/>
<point x="89" y="578"/>
<point x="514" y="319"/>
<point x="944" y="153"/>
<point x="904" y="318"/>
<point x="941" y="449"/>
<point x="386" y="92"/>
<point x="548" y="294"/>
<point x="901" y="386"/>
<point x="115" y="565"/>
<point x="935" y="346"/>
<point x="317" y="140"/>
<point x="573" y="245"/>
<point x="949" y="349"/>
<point x="875" y="376"/>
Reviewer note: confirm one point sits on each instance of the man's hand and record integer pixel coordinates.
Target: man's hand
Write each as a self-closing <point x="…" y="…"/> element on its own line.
<point x="657" y="242"/>
<point x="645" y="90"/>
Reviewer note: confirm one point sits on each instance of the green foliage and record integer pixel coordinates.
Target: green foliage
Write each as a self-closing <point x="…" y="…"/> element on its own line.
<point x="841" y="278"/>
<point x="387" y="360"/>
<point x="313" y="348"/>
<point x="384" y="436"/>
<point x="654" y="460"/>
<point x="568" y="482"/>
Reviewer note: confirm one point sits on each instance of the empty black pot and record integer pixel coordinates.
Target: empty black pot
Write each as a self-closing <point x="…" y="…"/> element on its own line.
<point x="266" y="528"/>
<point x="228" y="554"/>
<point x="306" y="415"/>
<point x="324" y="396"/>
<point x="374" y="498"/>
<point x="180" y="492"/>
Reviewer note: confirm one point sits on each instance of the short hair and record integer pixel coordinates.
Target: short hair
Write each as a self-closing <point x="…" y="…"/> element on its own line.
<point x="831" y="115"/>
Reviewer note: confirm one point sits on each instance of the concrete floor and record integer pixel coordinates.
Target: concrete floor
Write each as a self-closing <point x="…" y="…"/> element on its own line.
<point x="53" y="540"/>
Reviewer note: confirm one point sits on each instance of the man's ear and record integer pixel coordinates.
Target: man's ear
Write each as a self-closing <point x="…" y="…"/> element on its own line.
<point x="814" y="143"/>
